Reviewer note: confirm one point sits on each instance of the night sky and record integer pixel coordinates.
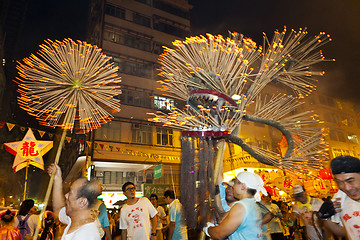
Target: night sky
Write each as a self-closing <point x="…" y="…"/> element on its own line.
<point x="65" y="19"/>
<point x="340" y="19"/>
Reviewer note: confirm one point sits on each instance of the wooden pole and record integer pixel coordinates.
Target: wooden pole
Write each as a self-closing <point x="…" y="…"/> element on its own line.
<point x="48" y="191"/>
<point x="26" y="179"/>
<point x="219" y="158"/>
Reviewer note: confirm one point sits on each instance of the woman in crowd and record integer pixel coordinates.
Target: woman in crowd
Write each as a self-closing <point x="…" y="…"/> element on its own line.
<point x="26" y="220"/>
<point x="8" y="231"/>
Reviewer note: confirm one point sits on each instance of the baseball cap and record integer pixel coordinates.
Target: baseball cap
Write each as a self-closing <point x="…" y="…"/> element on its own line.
<point x="297" y="190"/>
<point x="229" y="183"/>
<point x="345" y="164"/>
<point x="253" y="181"/>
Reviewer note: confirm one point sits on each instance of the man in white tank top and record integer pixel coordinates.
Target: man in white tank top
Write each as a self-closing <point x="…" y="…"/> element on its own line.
<point x="74" y="209"/>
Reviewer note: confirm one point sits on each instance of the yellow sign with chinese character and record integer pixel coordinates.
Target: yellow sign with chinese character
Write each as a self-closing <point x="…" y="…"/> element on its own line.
<point x="28" y="151"/>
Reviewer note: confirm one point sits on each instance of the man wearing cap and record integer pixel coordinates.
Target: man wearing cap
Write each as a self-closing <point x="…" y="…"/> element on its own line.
<point x="225" y="196"/>
<point x="243" y="220"/>
<point x="346" y="171"/>
<point x="305" y="206"/>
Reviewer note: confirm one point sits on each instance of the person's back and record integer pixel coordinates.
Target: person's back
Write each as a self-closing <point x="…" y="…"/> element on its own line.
<point x="23" y="225"/>
<point x="25" y="221"/>
<point x="177" y="228"/>
<point x="307" y="218"/>
<point x="305" y="206"/>
<point x="250" y="226"/>
<point x="176" y="215"/>
<point x="101" y="212"/>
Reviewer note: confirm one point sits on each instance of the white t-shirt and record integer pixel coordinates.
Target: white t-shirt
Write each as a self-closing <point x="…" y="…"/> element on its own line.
<point x="307" y="217"/>
<point x="89" y="231"/>
<point x="136" y="219"/>
<point x="32" y="222"/>
<point x="349" y="215"/>
<point x="161" y="211"/>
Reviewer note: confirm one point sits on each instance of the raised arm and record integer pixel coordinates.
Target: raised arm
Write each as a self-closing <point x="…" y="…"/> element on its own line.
<point x="219" y="191"/>
<point x="57" y="195"/>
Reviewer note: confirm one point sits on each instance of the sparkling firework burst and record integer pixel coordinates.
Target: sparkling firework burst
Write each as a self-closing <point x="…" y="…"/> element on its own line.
<point x="221" y="77"/>
<point x="71" y="81"/>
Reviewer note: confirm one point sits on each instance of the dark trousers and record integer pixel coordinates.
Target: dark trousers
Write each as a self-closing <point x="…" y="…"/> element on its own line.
<point x="277" y="236"/>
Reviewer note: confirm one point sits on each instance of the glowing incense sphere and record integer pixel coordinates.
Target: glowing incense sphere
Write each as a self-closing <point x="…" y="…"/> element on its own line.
<point x="67" y="81"/>
<point x="226" y="81"/>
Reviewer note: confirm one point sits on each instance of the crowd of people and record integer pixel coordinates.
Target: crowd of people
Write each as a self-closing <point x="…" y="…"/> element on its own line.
<point x="245" y="211"/>
<point x="78" y="214"/>
<point x="246" y="217"/>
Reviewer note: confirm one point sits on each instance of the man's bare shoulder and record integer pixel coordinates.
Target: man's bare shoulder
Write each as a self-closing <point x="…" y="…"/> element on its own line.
<point x="237" y="208"/>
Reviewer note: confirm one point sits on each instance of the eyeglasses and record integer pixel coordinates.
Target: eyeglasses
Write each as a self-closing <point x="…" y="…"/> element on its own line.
<point x="130" y="189"/>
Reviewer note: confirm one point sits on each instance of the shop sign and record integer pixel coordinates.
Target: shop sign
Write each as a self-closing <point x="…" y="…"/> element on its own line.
<point x="158" y="171"/>
<point x="157" y="189"/>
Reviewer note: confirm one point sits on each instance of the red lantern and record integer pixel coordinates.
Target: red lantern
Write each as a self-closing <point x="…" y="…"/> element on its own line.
<point x="269" y="189"/>
<point x="325" y="173"/>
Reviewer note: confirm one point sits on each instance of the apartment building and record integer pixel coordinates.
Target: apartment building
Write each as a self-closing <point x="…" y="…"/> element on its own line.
<point x="132" y="33"/>
<point x="341" y="123"/>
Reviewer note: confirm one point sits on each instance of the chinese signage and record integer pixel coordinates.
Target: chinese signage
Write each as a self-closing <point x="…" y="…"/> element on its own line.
<point x="28" y="151"/>
<point x="157" y="189"/>
<point x="157" y="171"/>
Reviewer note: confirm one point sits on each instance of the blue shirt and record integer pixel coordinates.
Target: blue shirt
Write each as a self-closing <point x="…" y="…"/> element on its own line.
<point x="224" y="204"/>
<point x="103" y="217"/>
<point x="250" y="226"/>
<point x="175" y="215"/>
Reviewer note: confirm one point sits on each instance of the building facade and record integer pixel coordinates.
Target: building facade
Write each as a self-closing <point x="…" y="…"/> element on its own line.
<point x="132" y="33"/>
<point x="341" y="123"/>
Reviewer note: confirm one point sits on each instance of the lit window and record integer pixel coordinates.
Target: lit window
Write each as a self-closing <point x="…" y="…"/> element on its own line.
<point x="353" y="138"/>
<point x="163" y="103"/>
<point x="164" y="136"/>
